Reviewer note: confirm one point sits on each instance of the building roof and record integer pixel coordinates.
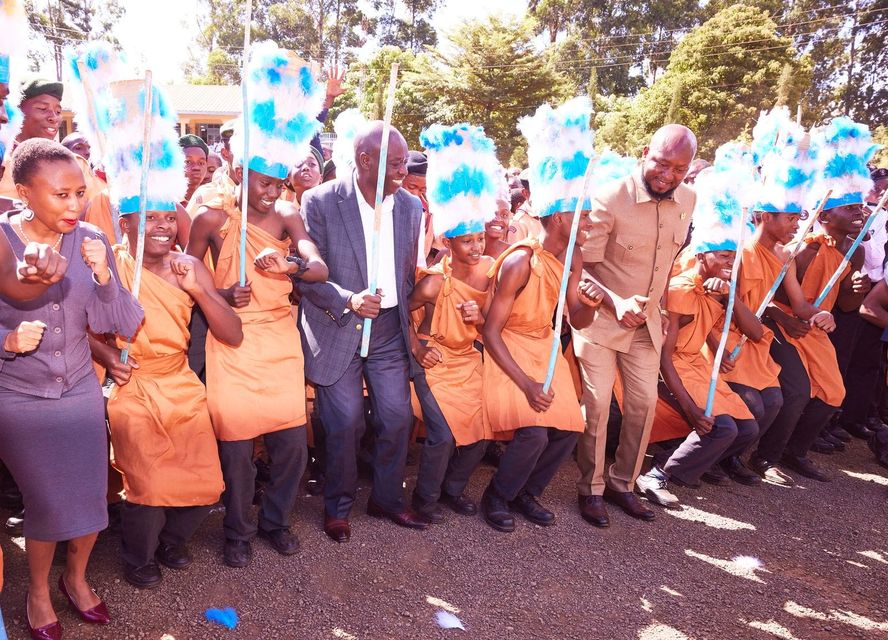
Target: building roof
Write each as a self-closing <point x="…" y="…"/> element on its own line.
<point x="199" y="99"/>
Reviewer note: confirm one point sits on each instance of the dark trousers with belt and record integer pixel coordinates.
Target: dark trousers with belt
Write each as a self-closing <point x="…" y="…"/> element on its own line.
<point x="696" y="455"/>
<point x="531" y="460"/>
<point x="442" y="466"/>
<point x="802" y="418"/>
<point x="287" y="456"/>
<point x="859" y="350"/>
<point x="143" y="528"/>
<point x="341" y="405"/>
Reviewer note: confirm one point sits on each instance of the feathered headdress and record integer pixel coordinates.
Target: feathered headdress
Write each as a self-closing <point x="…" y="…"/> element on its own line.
<point x="611" y="167"/>
<point x="13" y="36"/>
<point x="11" y="129"/>
<point x="283" y="102"/>
<point x="723" y="191"/>
<point x="346" y="127"/>
<point x="92" y="67"/>
<point x="559" y="149"/>
<point x="463" y="178"/>
<point x="841" y="151"/>
<point x="780" y="149"/>
<point x="123" y="113"/>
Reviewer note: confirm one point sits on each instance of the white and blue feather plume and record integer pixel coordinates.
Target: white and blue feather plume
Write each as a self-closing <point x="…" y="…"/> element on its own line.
<point x="463" y="178"/>
<point x="724" y="190"/>
<point x="13" y="39"/>
<point x="101" y="65"/>
<point x="11" y="129"/>
<point x="346" y="127"/>
<point x="611" y="167"/>
<point x="780" y="149"/>
<point x="842" y="150"/>
<point x="121" y="117"/>
<point x="284" y="99"/>
<point x="559" y="148"/>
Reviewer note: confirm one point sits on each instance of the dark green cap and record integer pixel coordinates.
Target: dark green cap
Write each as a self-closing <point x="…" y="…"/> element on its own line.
<point x="192" y="140"/>
<point x="35" y="86"/>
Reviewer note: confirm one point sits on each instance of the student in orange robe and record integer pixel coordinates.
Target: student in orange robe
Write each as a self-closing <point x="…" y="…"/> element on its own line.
<point x="161" y="434"/>
<point x="259" y="387"/>
<point x="463" y="177"/>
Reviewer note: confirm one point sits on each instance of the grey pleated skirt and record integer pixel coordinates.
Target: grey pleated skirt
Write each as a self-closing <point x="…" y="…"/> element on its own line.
<point x="57" y="452"/>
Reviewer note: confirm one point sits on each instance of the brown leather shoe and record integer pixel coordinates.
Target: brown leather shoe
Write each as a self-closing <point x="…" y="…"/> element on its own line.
<point x="337" y="529"/>
<point x="629" y="502"/>
<point x="593" y="511"/>
<point x="406" y="518"/>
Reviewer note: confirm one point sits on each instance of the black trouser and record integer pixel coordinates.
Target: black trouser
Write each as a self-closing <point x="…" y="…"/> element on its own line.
<point x="287" y="457"/>
<point x="859" y="350"/>
<point x="143" y="528"/>
<point x="197" y="343"/>
<point x="764" y="404"/>
<point x="442" y="466"/>
<point x="531" y="460"/>
<point x="802" y="418"/>
<point x="697" y="454"/>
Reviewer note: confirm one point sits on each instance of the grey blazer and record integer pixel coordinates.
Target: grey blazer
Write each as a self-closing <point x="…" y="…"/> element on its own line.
<point x="331" y="333"/>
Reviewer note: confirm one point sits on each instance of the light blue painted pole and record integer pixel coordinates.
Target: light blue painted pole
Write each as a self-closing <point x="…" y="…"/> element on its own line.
<point x="783" y="271"/>
<point x="860" y="236"/>
<point x="729" y="313"/>
<point x="565" y="275"/>
<point x="2" y="628"/>
<point x="373" y="276"/>
<point x="143" y="197"/>
<point x="245" y="180"/>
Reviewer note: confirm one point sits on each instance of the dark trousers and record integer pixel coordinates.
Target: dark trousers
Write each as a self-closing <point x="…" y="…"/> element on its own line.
<point x="143" y="528"/>
<point x="764" y="404"/>
<point x="287" y="456"/>
<point x="197" y="343"/>
<point x="341" y="404"/>
<point x="802" y="418"/>
<point x="697" y="454"/>
<point x="859" y="350"/>
<point x="531" y="460"/>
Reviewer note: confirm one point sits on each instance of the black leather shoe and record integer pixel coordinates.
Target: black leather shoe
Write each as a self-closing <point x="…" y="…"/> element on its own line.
<point x="738" y="472"/>
<point x="593" y="511"/>
<point x="173" y="556"/>
<point x="822" y="446"/>
<point x="337" y="529"/>
<point x="805" y="467"/>
<point x="837" y="444"/>
<point x="460" y="504"/>
<point x="406" y="518"/>
<point x="840" y="433"/>
<point x="433" y="513"/>
<point x="858" y="430"/>
<point x="237" y="553"/>
<point x="15" y="524"/>
<point x="629" y="502"/>
<point x="283" y="541"/>
<point x="876" y="424"/>
<point x="496" y="511"/>
<point x="528" y="506"/>
<point x="714" y="475"/>
<point x="146" y="577"/>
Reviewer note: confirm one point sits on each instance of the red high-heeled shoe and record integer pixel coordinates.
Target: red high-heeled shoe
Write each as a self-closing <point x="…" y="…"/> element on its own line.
<point x="51" y="631"/>
<point x="94" y="615"/>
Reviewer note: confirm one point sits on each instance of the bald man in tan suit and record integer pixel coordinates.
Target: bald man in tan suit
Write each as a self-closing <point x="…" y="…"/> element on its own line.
<point x="639" y="226"/>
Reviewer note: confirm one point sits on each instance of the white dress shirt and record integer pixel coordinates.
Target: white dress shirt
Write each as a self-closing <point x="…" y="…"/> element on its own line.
<point x="875" y="248"/>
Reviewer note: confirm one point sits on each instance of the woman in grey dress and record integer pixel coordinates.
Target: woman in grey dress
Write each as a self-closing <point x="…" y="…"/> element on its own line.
<point x="52" y="423"/>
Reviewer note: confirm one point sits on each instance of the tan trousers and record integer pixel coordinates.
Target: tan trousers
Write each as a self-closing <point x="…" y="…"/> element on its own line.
<point x="639" y="370"/>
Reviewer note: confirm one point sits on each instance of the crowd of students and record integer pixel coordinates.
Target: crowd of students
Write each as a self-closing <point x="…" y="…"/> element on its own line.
<point x="236" y="298"/>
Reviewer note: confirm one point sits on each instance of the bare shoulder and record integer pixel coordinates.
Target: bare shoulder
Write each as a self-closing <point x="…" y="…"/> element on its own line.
<point x="286" y="210"/>
<point x="210" y="218"/>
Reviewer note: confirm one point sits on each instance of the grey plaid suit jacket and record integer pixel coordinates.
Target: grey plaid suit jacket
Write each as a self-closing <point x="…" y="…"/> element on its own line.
<point x="331" y="334"/>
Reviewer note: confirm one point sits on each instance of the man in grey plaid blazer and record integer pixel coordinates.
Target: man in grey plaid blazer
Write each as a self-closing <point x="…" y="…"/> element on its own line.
<point x="339" y="216"/>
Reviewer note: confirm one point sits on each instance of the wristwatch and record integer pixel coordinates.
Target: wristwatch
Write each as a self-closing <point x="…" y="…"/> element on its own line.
<point x="302" y="267"/>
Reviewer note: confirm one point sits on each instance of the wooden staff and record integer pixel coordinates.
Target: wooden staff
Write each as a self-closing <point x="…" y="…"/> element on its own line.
<point x="245" y="166"/>
<point x="729" y="313"/>
<point x="565" y="275"/>
<point x="143" y="198"/>
<point x="377" y="208"/>
<point x="860" y="236"/>
<point x="783" y="271"/>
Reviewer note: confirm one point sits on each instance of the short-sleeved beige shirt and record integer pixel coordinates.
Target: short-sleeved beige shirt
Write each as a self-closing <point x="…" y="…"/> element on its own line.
<point x="634" y="241"/>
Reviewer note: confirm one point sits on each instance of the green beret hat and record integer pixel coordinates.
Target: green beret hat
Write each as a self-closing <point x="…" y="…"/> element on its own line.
<point x="192" y="140"/>
<point x="35" y="86"/>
